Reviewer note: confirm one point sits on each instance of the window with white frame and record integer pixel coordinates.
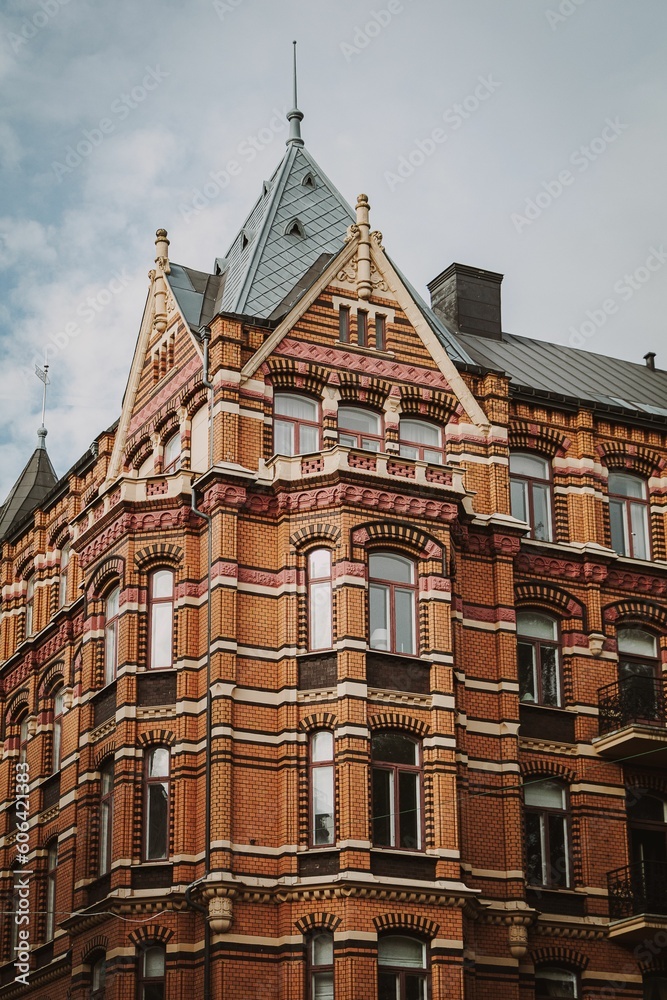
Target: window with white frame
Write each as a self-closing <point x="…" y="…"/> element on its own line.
<point x="530" y="493"/>
<point x="629" y="515"/>
<point x="392" y="603"/>
<point x="547" y="833"/>
<point x="320" y="631"/>
<point x="421" y="439"/>
<point x="296" y="424"/>
<point x="359" y="428"/>
<point x="402" y="971"/>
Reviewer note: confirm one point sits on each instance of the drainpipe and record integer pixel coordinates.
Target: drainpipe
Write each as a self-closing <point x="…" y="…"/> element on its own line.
<point x="205" y="336"/>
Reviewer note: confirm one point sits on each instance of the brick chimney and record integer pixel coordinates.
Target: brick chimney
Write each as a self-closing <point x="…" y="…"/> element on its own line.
<point x="467" y="299"/>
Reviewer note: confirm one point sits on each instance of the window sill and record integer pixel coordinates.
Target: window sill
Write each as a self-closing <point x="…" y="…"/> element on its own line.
<point x="358" y="349"/>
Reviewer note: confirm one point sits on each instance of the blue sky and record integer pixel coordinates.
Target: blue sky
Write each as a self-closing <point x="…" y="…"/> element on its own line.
<point x="525" y="137"/>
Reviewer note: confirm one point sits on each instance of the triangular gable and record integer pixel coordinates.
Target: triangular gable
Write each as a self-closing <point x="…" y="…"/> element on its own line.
<point x="406" y="300"/>
<point x="289" y="228"/>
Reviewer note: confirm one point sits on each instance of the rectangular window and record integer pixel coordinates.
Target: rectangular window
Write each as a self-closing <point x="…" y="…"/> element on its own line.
<point x="383" y="807"/>
<point x="157" y="805"/>
<point x="639" y="529"/>
<point x="405" y="621"/>
<point x="344" y="324"/>
<point x="519" y="499"/>
<point x="619" y="542"/>
<point x="362" y="328"/>
<point x="379" y="332"/>
<point x="161" y="613"/>
<point x="322" y="795"/>
<point x="106" y="817"/>
<point x="319" y="600"/>
<point x="110" y="651"/>
<point x="541" y="513"/>
<point x="283" y="437"/>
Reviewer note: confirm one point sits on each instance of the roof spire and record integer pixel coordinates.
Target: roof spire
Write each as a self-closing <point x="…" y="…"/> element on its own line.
<point x="43" y="376"/>
<point x="294" y="117"/>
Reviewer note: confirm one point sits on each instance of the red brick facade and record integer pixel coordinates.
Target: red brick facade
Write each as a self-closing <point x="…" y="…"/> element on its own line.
<point x="242" y="858"/>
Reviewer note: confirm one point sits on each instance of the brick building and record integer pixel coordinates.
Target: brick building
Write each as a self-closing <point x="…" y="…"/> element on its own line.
<point x="359" y="695"/>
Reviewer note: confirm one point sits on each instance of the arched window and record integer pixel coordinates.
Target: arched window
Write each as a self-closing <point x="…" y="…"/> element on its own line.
<point x="106" y="816"/>
<point x="628" y="515"/>
<point x="111" y="610"/>
<point x="402" y="972"/>
<point x="51" y="866"/>
<point x="161" y="617"/>
<point x="30" y="606"/>
<point x="397" y="796"/>
<point x="320" y="632"/>
<point x="171" y="459"/>
<point x="322" y="799"/>
<point x="547" y="835"/>
<point x="98" y="975"/>
<point x="420" y="439"/>
<point x="538" y="658"/>
<point x="321" y="966"/>
<point x="639" y="675"/>
<point x="199" y="440"/>
<point x="56" y="754"/>
<point x="147" y="467"/>
<point x="647" y="827"/>
<point x="152" y="973"/>
<point x="530" y="493"/>
<point x="359" y="428"/>
<point x="296" y="424"/>
<point x="392" y="603"/>
<point x="553" y="982"/>
<point x="156" y="810"/>
<point x="64" y="568"/>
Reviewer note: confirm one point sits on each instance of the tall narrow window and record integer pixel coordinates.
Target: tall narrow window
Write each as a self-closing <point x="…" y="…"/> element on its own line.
<point x="547" y="840"/>
<point x="106" y="816"/>
<point x="359" y="428"/>
<point x="319" y="599"/>
<point x="344" y="324"/>
<point x="64" y="570"/>
<point x="552" y="982"/>
<point x="199" y="440"/>
<point x="538" y="658"/>
<point x="296" y="424"/>
<point x="24" y="736"/>
<point x="420" y="439"/>
<point x="111" y="609"/>
<point x="629" y="515"/>
<point x="530" y="493"/>
<point x="639" y="674"/>
<point x="322" y="822"/>
<point x="380" y="334"/>
<point x="156" y="840"/>
<point x="402" y="973"/>
<point x="13" y="913"/>
<point x="392" y="603"/>
<point x="171" y="460"/>
<point x="362" y="328"/>
<point x="161" y="615"/>
<point x="321" y="966"/>
<point x="98" y="975"/>
<point x="51" y="865"/>
<point x="30" y="606"/>
<point x="57" y="728"/>
<point x="152" y="973"/>
<point x="396" y="791"/>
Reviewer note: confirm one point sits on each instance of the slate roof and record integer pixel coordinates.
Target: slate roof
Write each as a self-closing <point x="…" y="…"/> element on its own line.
<point x="567" y="372"/>
<point x="264" y="261"/>
<point x="29" y="490"/>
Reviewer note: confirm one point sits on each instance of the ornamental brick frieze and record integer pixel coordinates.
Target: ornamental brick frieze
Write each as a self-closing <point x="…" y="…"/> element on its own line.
<point x="494" y="543"/>
<point x="351" y="361"/>
<point x="538" y="564"/>
<point x="353" y="496"/>
<point x="130" y="522"/>
<point x="642" y="583"/>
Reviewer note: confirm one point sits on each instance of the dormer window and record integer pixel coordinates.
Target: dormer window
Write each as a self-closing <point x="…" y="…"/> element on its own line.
<point x="245" y="240"/>
<point x="309" y="181"/>
<point x="295" y="228"/>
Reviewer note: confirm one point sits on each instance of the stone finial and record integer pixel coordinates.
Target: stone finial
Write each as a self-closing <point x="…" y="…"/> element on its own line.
<point x="364" y="284"/>
<point x="162" y="268"/>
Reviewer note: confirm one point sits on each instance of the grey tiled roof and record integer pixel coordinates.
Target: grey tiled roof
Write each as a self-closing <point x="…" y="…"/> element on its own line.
<point x="29" y="490"/>
<point x="573" y="373"/>
<point x="264" y="262"/>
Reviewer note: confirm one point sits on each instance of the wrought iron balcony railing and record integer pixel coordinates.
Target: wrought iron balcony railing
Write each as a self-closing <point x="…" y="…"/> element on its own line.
<point x="638" y="888"/>
<point x="631" y="701"/>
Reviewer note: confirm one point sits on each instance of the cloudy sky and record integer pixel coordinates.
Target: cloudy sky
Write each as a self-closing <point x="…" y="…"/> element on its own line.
<point x="522" y="136"/>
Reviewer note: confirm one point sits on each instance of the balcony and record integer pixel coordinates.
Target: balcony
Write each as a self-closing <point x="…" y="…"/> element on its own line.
<point x="632" y="720"/>
<point x="637" y="900"/>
